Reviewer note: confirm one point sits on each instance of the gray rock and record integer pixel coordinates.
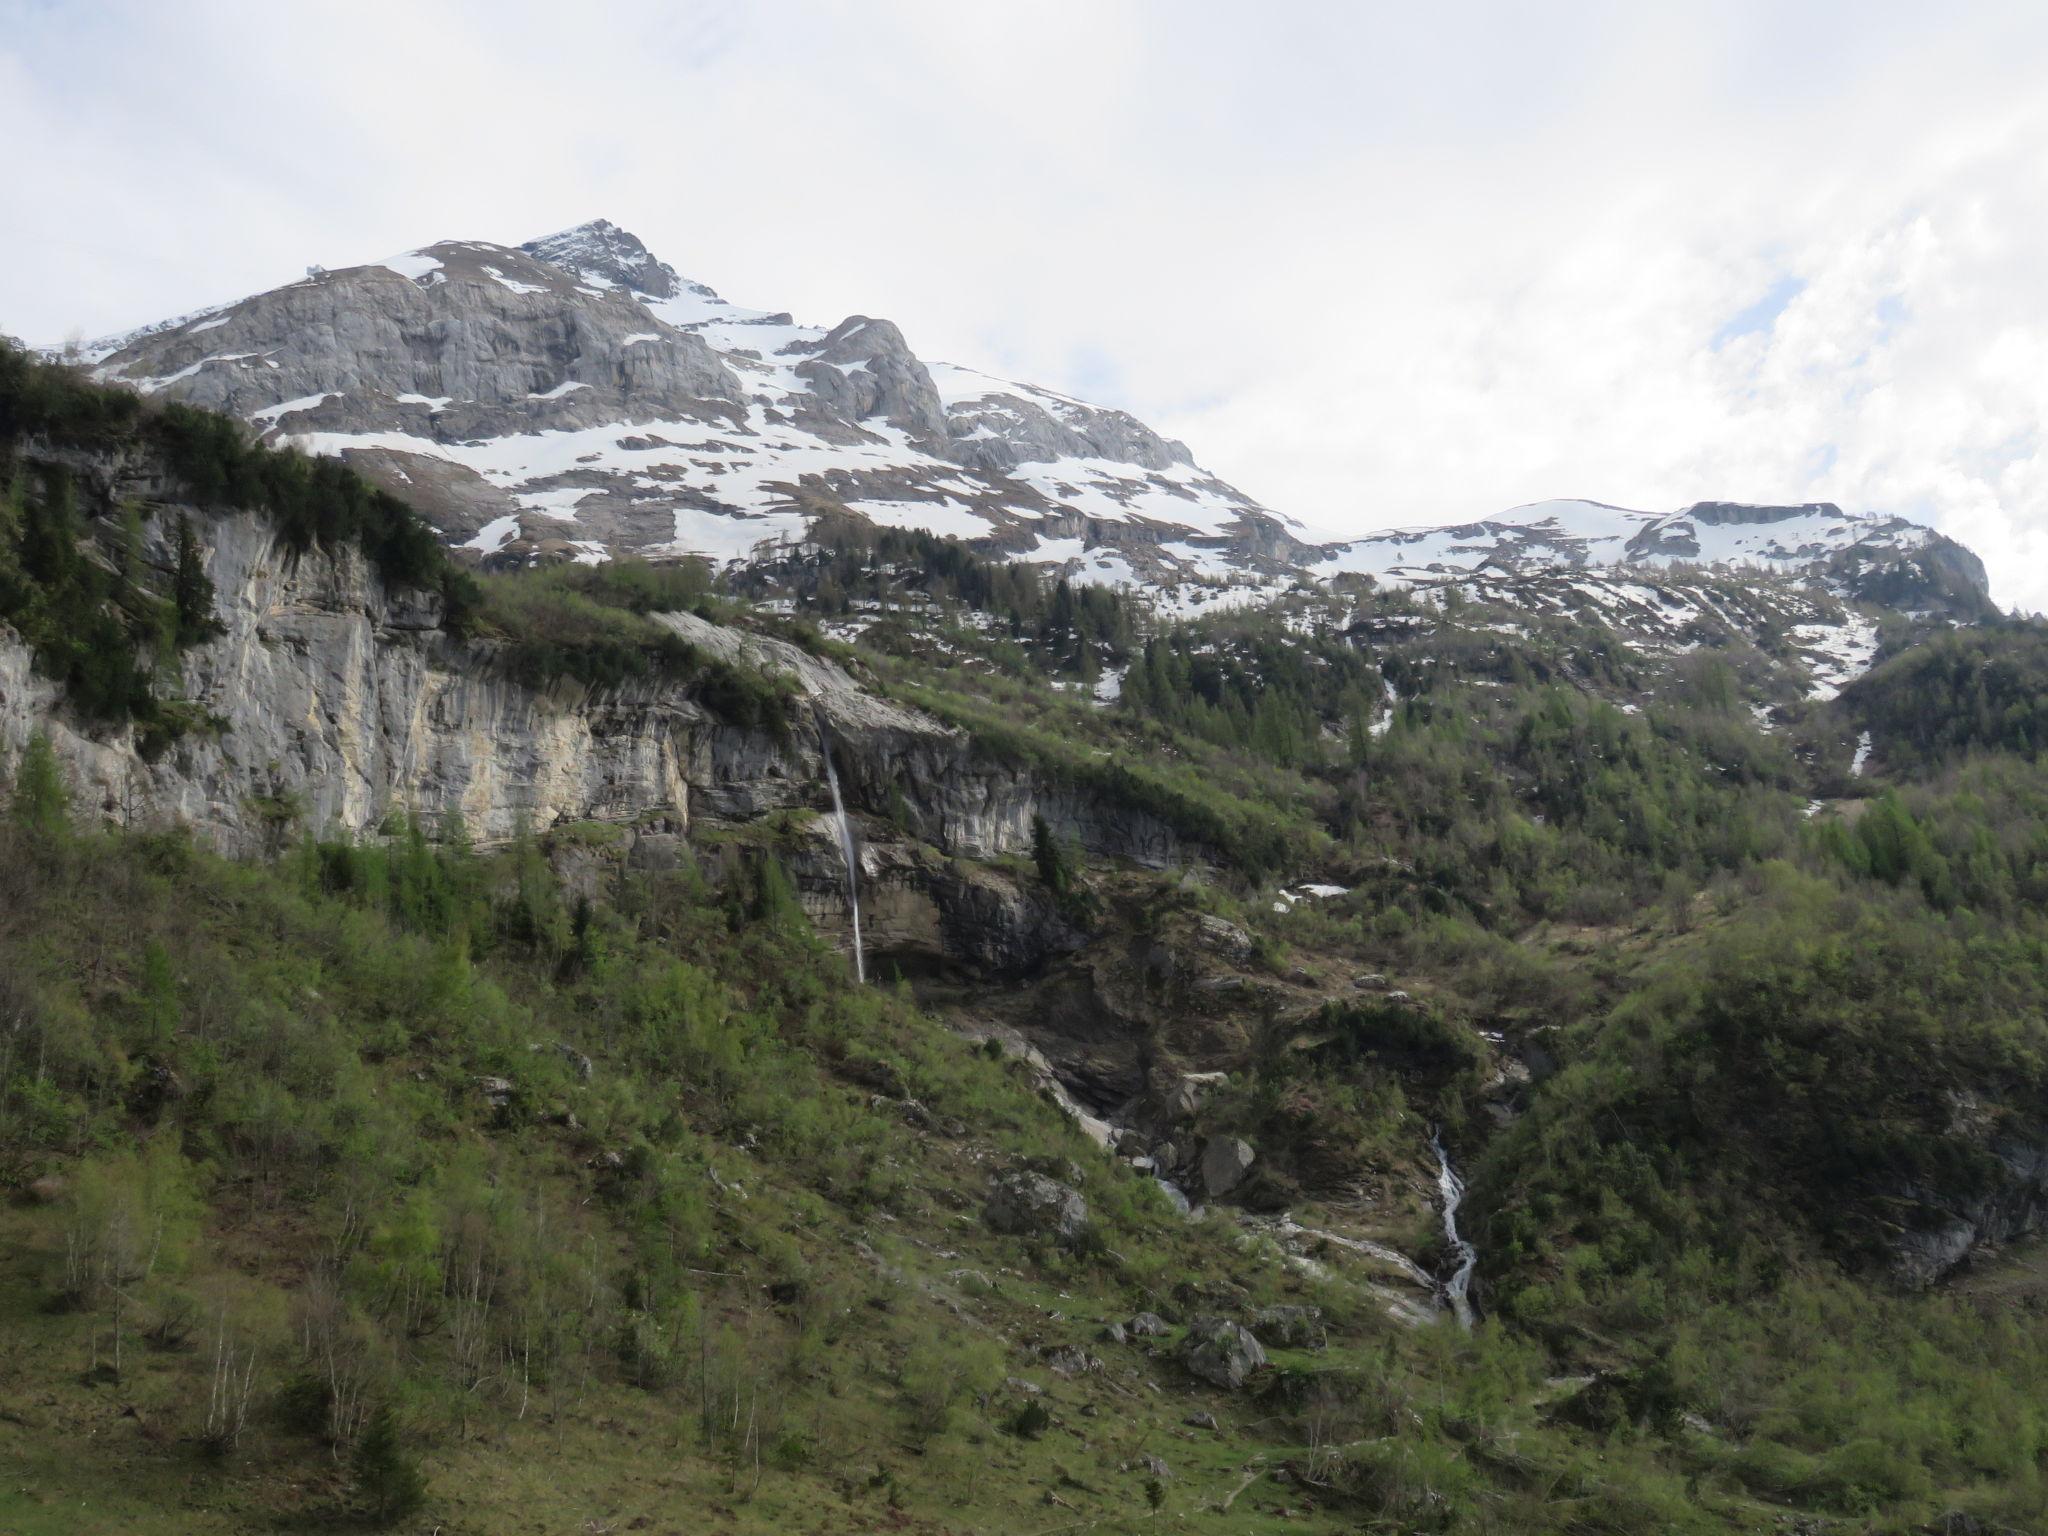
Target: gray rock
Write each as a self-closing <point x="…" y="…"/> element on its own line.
<point x="1071" y="1360"/>
<point x="1292" y="1326"/>
<point x="1200" y="1421"/>
<point x="1113" y="1333"/>
<point x="1224" y="938"/>
<point x="1147" y="1325"/>
<point x="1221" y="1352"/>
<point x="1226" y="1160"/>
<point x="1027" y="1204"/>
<point x="864" y="368"/>
<point x="497" y="1091"/>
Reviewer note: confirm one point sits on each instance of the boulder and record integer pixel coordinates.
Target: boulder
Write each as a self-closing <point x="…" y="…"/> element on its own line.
<point x="1071" y="1360"/>
<point x="1146" y="1325"/>
<point x="1027" y="1204"/>
<point x="1221" y="1352"/>
<point x="1225" y="1162"/>
<point x="1225" y="939"/>
<point x="1181" y="1100"/>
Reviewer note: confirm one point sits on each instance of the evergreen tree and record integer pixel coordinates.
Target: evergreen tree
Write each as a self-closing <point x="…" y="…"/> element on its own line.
<point x="192" y="589"/>
<point x="1055" y="864"/>
<point x="41" y="802"/>
<point x="389" y="1479"/>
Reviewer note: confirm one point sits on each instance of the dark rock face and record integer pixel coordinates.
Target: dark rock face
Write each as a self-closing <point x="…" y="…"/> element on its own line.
<point x="1719" y="513"/>
<point x="1026" y="1204"/>
<point x="1292" y="1327"/>
<point x="1940" y="576"/>
<point x="1944" y="1228"/>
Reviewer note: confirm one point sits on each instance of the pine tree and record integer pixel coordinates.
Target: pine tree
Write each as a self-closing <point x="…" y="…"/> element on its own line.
<point x="41" y="803"/>
<point x="390" y="1480"/>
<point x="1055" y="868"/>
<point x="192" y="590"/>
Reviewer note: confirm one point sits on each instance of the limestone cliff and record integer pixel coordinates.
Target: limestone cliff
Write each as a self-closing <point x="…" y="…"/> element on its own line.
<point x="334" y="702"/>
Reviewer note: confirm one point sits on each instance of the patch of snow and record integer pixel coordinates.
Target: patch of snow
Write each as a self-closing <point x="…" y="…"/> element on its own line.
<point x="495" y="535"/>
<point x="285" y="408"/>
<point x="412" y="265"/>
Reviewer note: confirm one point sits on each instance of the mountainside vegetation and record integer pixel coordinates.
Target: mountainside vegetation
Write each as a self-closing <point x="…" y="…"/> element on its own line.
<point x="569" y="1181"/>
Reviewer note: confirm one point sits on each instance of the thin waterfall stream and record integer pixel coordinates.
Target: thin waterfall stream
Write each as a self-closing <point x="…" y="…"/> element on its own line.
<point x="846" y="849"/>
<point x="1457" y="1289"/>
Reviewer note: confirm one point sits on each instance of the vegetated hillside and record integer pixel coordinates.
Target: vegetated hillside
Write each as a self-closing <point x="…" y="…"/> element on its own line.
<point x="566" y="1179"/>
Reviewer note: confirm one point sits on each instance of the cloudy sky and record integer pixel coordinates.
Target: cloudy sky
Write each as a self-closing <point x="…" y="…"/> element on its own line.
<point x="1377" y="264"/>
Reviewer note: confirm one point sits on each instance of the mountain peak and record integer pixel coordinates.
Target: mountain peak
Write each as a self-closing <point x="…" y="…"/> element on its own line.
<point x="601" y="252"/>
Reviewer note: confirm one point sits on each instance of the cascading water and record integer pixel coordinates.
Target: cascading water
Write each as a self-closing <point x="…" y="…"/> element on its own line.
<point x="1457" y="1288"/>
<point x="846" y="849"/>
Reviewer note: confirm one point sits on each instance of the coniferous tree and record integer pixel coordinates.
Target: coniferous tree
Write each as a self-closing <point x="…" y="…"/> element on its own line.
<point x="192" y="589"/>
<point x="390" y="1480"/>
<point x="41" y="802"/>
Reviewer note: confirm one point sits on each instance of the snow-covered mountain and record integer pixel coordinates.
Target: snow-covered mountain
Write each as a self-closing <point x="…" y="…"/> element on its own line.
<point x="577" y="396"/>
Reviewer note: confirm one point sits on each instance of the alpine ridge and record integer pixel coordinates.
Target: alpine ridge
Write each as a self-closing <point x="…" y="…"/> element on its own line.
<point x="575" y="397"/>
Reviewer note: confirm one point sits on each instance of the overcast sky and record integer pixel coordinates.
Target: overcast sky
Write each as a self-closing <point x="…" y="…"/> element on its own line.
<point x="1377" y="264"/>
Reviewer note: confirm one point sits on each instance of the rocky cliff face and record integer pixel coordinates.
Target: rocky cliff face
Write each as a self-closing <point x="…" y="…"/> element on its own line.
<point x="335" y="703"/>
<point x="1945" y="1226"/>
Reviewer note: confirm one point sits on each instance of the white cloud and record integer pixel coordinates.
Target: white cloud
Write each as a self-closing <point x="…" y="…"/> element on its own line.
<point x="1376" y="264"/>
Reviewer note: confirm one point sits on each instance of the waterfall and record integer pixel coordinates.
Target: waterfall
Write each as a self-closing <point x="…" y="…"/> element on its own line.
<point x="1453" y="1190"/>
<point x="846" y="849"/>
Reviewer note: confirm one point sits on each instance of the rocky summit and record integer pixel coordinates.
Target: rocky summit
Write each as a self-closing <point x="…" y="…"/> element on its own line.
<point x="576" y="397"/>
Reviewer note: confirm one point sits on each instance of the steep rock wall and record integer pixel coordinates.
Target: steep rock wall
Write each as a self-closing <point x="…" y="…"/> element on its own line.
<point x="337" y="703"/>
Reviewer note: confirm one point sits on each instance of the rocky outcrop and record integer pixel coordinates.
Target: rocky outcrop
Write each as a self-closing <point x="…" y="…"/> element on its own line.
<point x="1221" y="1352"/>
<point x="1026" y="1204"/>
<point x="1944" y="1227"/>
<point x="1001" y="430"/>
<point x="1291" y="1327"/>
<point x="864" y="368"/>
<point x="601" y="252"/>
